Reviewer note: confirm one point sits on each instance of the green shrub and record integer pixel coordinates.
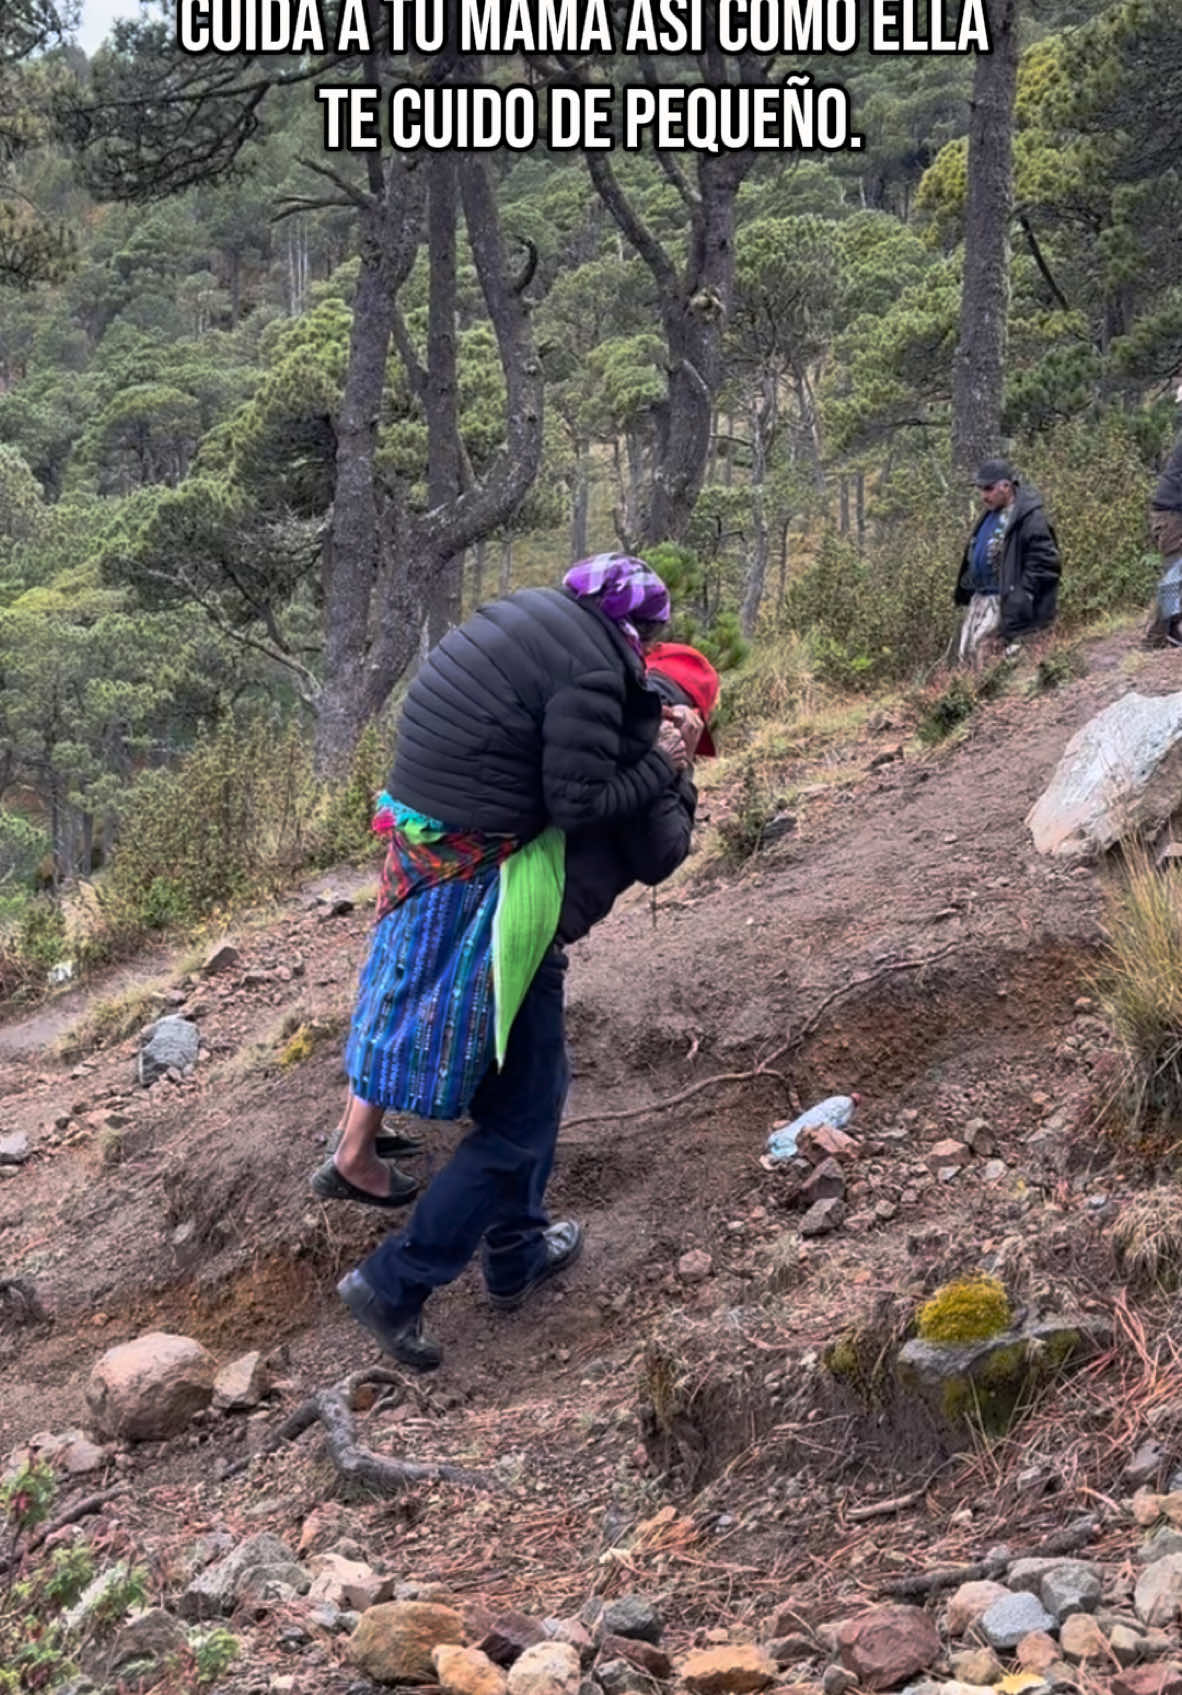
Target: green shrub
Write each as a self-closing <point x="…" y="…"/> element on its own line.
<point x="214" y="1652"/>
<point x="742" y="833"/>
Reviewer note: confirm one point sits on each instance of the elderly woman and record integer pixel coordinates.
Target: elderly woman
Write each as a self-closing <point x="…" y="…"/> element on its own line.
<point x="530" y="721"/>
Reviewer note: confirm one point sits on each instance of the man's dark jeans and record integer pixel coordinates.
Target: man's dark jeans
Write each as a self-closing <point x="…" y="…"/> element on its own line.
<point x="492" y="1188"/>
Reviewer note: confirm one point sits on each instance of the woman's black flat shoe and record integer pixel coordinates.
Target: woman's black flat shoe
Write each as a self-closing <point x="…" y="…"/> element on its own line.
<point x="329" y="1185"/>
<point x="388" y="1144"/>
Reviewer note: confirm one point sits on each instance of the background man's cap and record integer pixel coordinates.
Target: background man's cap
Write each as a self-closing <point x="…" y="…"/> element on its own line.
<point x="694" y="674"/>
<point x="995" y="471"/>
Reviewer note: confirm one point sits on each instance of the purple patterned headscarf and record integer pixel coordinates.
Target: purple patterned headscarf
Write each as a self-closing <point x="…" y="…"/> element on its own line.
<point x="628" y="589"/>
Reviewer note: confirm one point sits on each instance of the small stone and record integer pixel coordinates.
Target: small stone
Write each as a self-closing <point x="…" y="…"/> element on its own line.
<point x="979" y="1137"/>
<point x="241" y="1384"/>
<point x="823" y="1217"/>
<point x="621" y="1677"/>
<point x="1147" y="1507"/>
<point x="948" y="1154"/>
<point x="221" y="958"/>
<point x="509" y="1636"/>
<point x="825" y="1142"/>
<point x="14" y="1150"/>
<point x="637" y="1652"/>
<point x="348" y="1585"/>
<point x="736" y="1668"/>
<point x="695" y="1266"/>
<point x="968" y="1606"/>
<point x="466" y="1671"/>
<point x="1071" y="1588"/>
<point x="976" y="1665"/>
<point x="1007" y="1621"/>
<point x="827" y="1182"/>
<point x="887" y="1645"/>
<point x="633" y="1616"/>
<point x="575" y="1632"/>
<point x="787" y="1650"/>
<point x="993" y="1170"/>
<point x="1037" y="1651"/>
<point x="1127" y="1644"/>
<point x="1146" y="1463"/>
<point x="1162" y="1678"/>
<point x="838" y="1681"/>
<point x="1081" y="1638"/>
<point x="546" y="1668"/>
<point x="1159" y="1591"/>
<point x="150" y="1635"/>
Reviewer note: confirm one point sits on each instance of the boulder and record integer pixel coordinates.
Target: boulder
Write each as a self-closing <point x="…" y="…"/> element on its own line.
<point x="1007" y="1621"/>
<point x="738" y="1668"/>
<point x="149" y="1389"/>
<point x="466" y="1671"/>
<point x="1118" y="774"/>
<point x="169" y="1044"/>
<point x="632" y="1616"/>
<point x="966" y="1607"/>
<point x="1159" y="1591"/>
<point x="241" y="1384"/>
<point x="546" y="1668"/>
<point x="991" y="1378"/>
<point x="394" y="1641"/>
<point x="886" y="1646"/>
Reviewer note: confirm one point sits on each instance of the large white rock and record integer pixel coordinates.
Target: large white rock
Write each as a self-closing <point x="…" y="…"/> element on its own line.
<point x="1103" y="785"/>
<point x="149" y="1389"/>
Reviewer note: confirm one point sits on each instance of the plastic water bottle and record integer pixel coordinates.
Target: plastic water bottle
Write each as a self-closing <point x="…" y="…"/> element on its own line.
<point x="836" y="1111"/>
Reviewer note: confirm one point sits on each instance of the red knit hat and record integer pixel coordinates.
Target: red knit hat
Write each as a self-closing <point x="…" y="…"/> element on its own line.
<point x="693" y="673"/>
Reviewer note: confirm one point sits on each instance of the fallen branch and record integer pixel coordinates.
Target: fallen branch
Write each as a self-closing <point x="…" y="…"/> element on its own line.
<point x="333" y="1408"/>
<point x="764" y="1068"/>
<point x="81" y="1509"/>
<point x="883" y="1509"/>
<point x="1067" y="1541"/>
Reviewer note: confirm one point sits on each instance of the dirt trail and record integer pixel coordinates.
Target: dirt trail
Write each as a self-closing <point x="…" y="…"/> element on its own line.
<point x="188" y="1209"/>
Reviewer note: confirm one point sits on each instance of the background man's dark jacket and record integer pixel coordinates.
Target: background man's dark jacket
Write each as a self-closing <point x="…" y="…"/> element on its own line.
<point x="534" y="711"/>
<point x="1028" y="569"/>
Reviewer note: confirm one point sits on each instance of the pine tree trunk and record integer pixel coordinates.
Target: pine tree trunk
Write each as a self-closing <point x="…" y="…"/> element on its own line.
<point x="978" y="376"/>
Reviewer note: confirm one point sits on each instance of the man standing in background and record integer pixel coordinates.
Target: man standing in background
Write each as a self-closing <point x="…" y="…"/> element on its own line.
<point x="1009" y="573"/>
<point x="1165" y="526"/>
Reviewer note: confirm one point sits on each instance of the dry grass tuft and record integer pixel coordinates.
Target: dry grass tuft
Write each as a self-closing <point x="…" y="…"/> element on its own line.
<point x="1147" y="1239"/>
<point x="1140" y="987"/>
<point x="108" y="1022"/>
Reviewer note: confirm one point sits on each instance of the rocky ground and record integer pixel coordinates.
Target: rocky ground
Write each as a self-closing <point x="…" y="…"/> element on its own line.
<point x="695" y="1463"/>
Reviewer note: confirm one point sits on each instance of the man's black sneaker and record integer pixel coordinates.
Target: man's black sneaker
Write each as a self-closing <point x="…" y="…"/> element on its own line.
<point x="403" y="1338"/>
<point x="388" y="1144"/>
<point x="563" y="1244"/>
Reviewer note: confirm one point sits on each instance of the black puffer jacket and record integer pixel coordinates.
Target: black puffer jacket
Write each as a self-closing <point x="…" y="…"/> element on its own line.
<point x="533" y="712"/>
<point x="1028" y="571"/>
<point x="1167" y="496"/>
<point x="605" y="859"/>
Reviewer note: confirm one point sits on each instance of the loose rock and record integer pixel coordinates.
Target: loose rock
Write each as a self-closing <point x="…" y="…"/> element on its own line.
<point x="1037" y="1651"/>
<point x="823" y="1217"/>
<point x="695" y="1266"/>
<point x="1081" y="1638"/>
<point x="149" y="1389"/>
<point x="967" y="1607"/>
<point x="633" y="1616"/>
<point x="1159" y="1591"/>
<point x="394" y="1642"/>
<point x="1007" y="1621"/>
<point x="977" y="1665"/>
<point x="1071" y="1588"/>
<point x="546" y="1668"/>
<point x="348" y="1585"/>
<point x="170" y="1044"/>
<point x="14" y="1150"/>
<point x="241" y="1384"/>
<point x="466" y="1671"/>
<point x="221" y="958"/>
<point x="737" y="1668"/>
<point x="887" y="1645"/>
<point x="1162" y="1678"/>
<point x="509" y="1636"/>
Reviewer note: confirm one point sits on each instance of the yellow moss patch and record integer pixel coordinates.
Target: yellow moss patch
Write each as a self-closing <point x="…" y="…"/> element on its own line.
<point x="969" y="1310"/>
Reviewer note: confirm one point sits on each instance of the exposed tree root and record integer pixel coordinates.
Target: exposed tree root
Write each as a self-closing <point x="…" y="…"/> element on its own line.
<point x="380" y="1473"/>
<point x="764" y="1068"/>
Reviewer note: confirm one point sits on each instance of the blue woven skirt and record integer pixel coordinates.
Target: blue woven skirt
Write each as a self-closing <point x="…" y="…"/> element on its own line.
<point x="422" y="1032"/>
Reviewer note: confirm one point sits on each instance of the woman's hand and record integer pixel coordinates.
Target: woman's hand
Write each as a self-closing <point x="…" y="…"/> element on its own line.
<point x="681" y="730"/>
